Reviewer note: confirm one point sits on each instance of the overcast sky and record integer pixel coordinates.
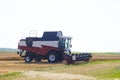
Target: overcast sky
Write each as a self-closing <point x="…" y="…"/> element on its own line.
<point x="93" y="24"/>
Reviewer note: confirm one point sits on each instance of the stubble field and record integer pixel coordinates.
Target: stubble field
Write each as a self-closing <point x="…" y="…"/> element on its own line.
<point x="101" y="67"/>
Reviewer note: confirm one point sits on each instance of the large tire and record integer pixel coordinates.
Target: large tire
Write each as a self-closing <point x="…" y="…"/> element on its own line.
<point x="52" y="57"/>
<point x="28" y="57"/>
<point x="60" y="57"/>
<point x="37" y="58"/>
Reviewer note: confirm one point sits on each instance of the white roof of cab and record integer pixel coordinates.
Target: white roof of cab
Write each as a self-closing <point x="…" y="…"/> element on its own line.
<point x="67" y="37"/>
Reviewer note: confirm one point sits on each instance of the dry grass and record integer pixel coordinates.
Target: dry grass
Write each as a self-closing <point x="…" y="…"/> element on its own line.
<point x="6" y="66"/>
<point x="7" y="56"/>
<point x="57" y="76"/>
<point x="10" y="62"/>
<point x="13" y="62"/>
<point x="103" y="56"/>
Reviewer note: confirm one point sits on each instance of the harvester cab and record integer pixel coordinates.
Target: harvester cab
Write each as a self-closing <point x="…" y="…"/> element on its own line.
<point x="65" y="43"/>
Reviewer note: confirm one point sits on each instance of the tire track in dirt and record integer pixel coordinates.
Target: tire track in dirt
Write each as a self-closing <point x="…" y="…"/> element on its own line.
<point x="56" y="76"/>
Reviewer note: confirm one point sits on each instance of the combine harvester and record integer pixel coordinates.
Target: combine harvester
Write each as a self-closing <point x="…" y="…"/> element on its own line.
<point x="52" y="46"/>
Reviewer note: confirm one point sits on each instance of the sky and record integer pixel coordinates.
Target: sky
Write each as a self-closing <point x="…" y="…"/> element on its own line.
<point x="93" y="24"/>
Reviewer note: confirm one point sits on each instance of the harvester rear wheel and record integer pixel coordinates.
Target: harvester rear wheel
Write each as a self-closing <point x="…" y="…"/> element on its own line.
<point x="28" y="58"/>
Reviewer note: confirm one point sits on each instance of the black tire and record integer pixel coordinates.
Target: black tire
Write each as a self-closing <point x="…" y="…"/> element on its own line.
<point x="60" y="57"/>
<point x="52" y="57"/>
<point x="37" y="58"/>
<point x="28" y="57"/>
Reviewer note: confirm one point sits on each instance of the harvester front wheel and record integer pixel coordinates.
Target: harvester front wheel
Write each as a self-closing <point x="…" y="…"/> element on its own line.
<point x="37" y="58"/>
<point x="52" y="57"/>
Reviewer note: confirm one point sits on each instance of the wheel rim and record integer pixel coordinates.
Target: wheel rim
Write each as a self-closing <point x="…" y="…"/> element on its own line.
<point x="52" y="57"/>
<point x="27" y="59"/>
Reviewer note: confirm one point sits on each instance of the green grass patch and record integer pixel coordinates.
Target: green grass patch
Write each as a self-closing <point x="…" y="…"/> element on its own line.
<point x="98" y="69"/>
<point x="95" y="62"/>
<point x="108" y="73"/>
<point x="105" y="52"/>
<point x="10" y="76"/>
<point x="104" y="69"/>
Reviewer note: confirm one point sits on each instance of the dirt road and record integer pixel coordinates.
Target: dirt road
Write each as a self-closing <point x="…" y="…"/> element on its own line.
<point x="30" y="75"/>
<point x="9" y="66"/>
<point x="46" y="71"/>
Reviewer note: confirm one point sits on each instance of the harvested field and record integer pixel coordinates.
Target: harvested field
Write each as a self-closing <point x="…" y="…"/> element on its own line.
<point x="104" y="56"/>
<point x="9" y="56"/>
<point x="12" y="61"/>
<point x="101" y="67"/>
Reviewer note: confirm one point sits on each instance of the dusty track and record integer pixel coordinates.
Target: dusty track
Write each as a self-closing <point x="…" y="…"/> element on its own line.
<point x="57" y="76"/>
<point x="29" y="74"/>
<point x="9" y="66"/>
<point x="7" y="56"/>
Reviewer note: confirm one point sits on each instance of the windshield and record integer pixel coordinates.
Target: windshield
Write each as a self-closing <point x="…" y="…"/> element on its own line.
<point x="65" y="43"/>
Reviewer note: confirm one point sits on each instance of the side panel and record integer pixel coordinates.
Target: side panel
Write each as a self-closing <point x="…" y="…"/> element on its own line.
<point x="46" y="43"/>
<point x="22" y="43"/>
<point x="40" y="47"/>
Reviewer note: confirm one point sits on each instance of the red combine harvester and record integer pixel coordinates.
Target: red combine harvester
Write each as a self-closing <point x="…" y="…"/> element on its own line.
<point x="52" y="46"/>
